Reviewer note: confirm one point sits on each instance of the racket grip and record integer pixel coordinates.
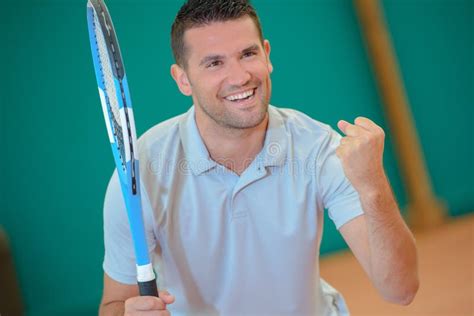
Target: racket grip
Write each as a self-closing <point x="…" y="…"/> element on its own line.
<point x="148" y="288"/>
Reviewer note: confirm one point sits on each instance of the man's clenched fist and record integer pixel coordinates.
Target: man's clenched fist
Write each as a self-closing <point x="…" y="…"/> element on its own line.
<point x="361" y="153"/>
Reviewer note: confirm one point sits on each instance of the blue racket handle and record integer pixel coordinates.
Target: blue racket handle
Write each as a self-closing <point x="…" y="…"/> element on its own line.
<point x="148" y="288"/>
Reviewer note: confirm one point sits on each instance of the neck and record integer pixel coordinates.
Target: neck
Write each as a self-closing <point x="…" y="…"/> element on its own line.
<point x="233" y="148"/>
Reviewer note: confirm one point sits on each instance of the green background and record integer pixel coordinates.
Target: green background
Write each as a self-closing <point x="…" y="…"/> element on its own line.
<point x="56" y="160"/>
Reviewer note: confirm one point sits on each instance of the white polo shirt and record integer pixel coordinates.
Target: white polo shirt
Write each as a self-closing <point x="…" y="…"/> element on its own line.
<point x="225" y="244"/>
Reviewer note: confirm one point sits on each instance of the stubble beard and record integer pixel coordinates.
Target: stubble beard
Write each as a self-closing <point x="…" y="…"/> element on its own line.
<point x="233" y="121"/>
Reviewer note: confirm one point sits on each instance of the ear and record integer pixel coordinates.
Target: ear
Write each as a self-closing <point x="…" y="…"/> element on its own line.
<point x="181" y="78"/>
<point x="267" y="48"/>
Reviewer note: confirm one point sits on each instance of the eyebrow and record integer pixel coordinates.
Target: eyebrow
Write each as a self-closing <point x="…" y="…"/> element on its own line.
<point x="210" y="58"/>
<point x="252" y="48"/>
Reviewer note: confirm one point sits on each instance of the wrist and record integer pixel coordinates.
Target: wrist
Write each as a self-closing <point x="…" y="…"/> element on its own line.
<point x="377" y="195"/>
<point x="378" y="185"/>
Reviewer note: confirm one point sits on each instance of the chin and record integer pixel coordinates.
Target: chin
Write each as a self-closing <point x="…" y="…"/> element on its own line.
<point x="252" y="119"/>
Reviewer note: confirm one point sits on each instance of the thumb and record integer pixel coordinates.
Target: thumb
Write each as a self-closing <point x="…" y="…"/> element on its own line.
<point x="342" y="125"/>
<point x="166" y="297"/>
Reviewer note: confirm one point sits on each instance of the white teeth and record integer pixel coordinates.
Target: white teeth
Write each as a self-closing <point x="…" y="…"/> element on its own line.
<point x="240" y="95"/>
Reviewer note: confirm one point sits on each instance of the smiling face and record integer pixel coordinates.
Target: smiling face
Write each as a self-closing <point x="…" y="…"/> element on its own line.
<point x="227" y="73"/>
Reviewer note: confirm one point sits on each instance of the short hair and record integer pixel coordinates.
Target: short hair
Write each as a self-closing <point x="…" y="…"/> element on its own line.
<point x="195" y="13"/>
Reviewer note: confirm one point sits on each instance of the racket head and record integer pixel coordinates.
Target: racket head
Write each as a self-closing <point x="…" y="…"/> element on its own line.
<point x="114" y="94"/>
<point x="120" y="122"/>
<point x="118" y="115"/>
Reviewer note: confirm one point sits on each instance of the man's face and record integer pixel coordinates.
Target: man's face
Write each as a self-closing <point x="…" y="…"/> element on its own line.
<point x="227" y="74"/>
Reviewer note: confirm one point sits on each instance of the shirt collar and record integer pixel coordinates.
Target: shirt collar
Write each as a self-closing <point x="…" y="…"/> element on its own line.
<point x="275" y="146"/>
<point x="273" y="152"/>
<point x="197" y="156"/>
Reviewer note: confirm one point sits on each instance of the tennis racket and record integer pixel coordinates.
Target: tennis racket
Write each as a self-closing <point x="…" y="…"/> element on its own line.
<point x="118" y="114"/>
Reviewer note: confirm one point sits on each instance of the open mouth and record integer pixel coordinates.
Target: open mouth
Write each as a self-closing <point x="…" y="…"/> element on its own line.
<point x="241" y="97"/>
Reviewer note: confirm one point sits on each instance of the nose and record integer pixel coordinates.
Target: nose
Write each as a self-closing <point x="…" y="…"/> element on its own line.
<point x="238" y="75"/>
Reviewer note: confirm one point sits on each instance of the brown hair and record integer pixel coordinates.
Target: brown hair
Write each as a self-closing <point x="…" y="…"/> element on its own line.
<point x="196" y="13"/>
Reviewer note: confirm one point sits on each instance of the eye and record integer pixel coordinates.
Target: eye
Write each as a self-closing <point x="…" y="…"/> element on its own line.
<point x="214" y="63"/>
<point x="249" y="54"/>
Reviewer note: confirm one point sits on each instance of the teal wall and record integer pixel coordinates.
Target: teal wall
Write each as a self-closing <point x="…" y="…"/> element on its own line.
<point x="434" y="42"/>
<point x="55" y="159"/>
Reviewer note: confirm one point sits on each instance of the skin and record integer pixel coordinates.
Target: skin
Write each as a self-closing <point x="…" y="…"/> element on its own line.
<point x="123" y="299"/>
<point x="234" y="133"/>
<point x="379" y="239"/>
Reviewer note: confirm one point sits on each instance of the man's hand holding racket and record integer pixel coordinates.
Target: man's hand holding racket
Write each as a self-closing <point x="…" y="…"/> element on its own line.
<point x="149" y="305"/>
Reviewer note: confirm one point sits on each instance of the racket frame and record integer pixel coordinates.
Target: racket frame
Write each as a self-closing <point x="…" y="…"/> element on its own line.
<point x="128" y="168"/>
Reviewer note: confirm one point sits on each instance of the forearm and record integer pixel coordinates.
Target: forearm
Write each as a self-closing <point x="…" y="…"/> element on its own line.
<point x="393" y="257"/>
<point x="115" y="308"/>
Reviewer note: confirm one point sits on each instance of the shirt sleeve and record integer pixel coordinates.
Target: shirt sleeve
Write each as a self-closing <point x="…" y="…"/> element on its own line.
<point x="338" y="195"/>
<point x="119" y="258"/>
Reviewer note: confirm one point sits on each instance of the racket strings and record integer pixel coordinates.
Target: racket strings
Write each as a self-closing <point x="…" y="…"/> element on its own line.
<point x="127" y="119"/>
<point x="109" y="84"/>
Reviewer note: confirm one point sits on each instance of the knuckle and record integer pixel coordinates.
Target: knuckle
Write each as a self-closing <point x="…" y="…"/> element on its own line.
<point x="341" y="153"/>
<point x="372" y="140"/>
<point x="143" y="303"/>
<point x="159" y="304"/>
<point x="381" y="132"/>
<point x="366" y="138"/>
<point x="359" y="119"/>
<point x="148" y="302"/>
<point x="129" y="303"/>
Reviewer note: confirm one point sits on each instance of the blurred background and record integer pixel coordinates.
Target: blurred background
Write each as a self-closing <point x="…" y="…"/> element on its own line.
<point x="56" y="161"/>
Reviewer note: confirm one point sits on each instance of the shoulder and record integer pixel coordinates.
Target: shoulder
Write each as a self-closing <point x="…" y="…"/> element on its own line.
<point x="158" y="139"/>
<point x="301" y="123"/>
<point x="306" y="132"/>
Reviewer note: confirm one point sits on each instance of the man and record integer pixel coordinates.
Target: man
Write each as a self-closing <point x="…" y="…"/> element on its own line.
<point x="234" y="190"/>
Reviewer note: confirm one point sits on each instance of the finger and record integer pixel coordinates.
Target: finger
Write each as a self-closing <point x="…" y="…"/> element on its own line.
<point x="367" y="124"/>
<point x="342" y="125"/>
<point x="350" y="129"/>
<point x="145" y="303"/>
<point x="347" y="140"/>
<point x="344" y="141"/>
<point x="341" y="152"/>
<point x="167" y="297"/>
<point x="152" y="313"/>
